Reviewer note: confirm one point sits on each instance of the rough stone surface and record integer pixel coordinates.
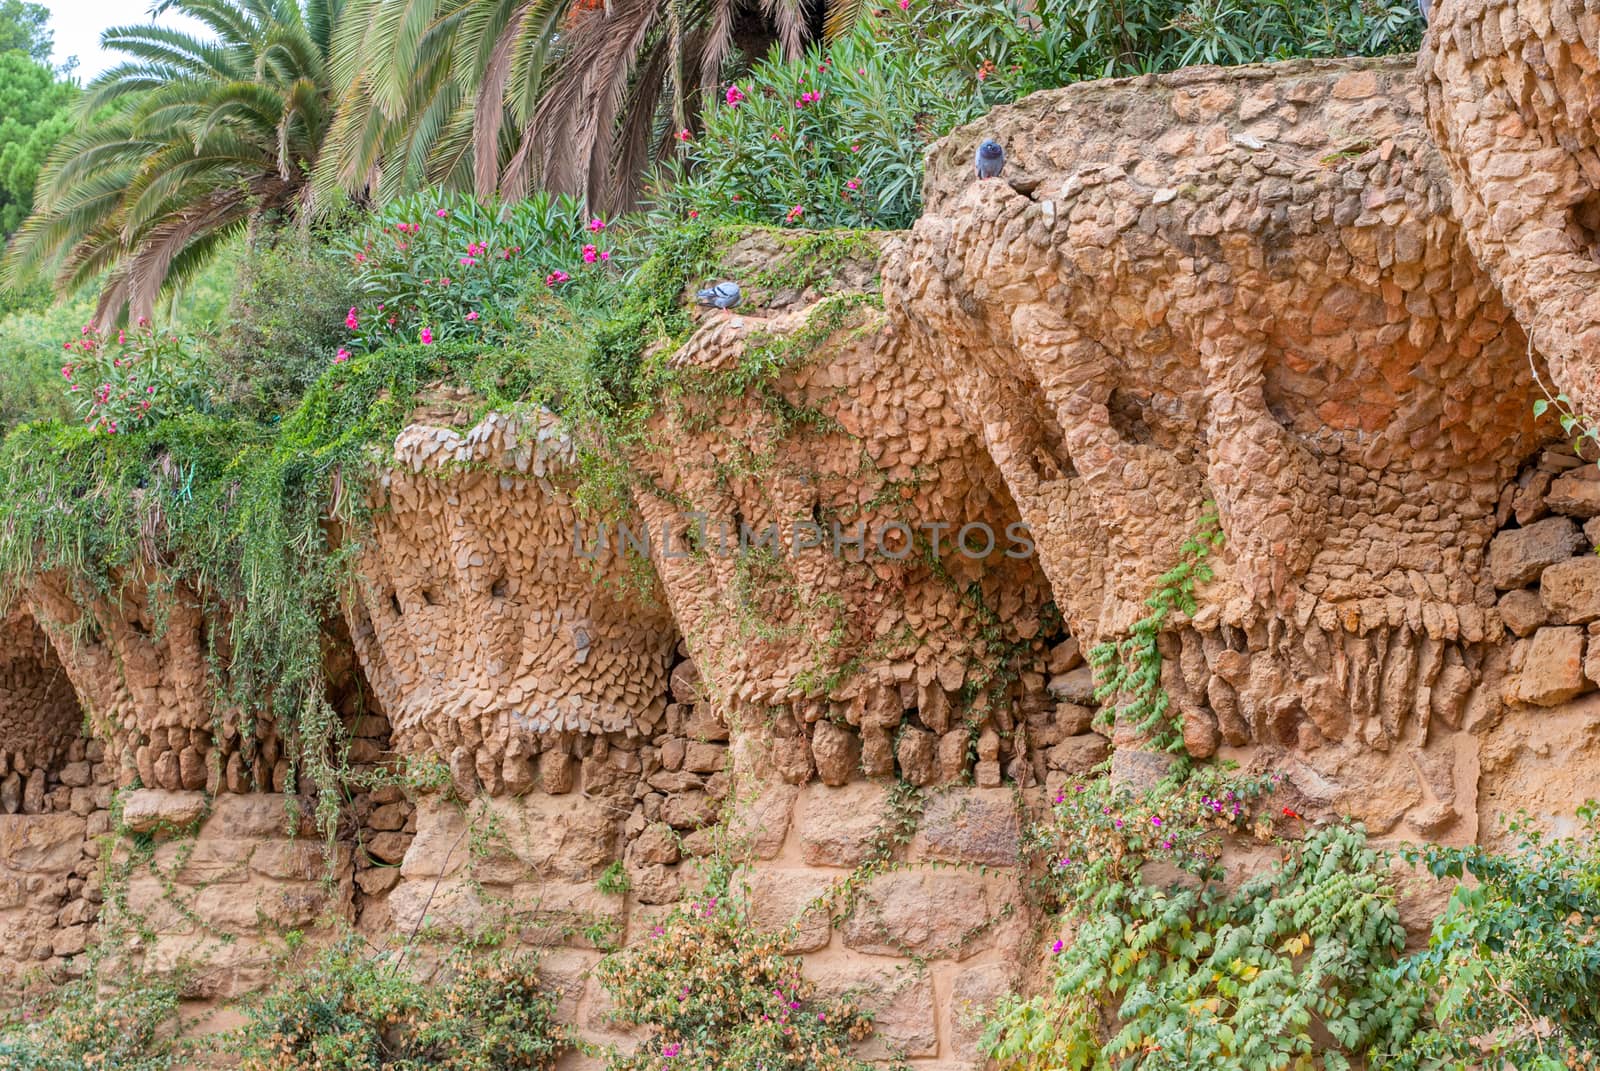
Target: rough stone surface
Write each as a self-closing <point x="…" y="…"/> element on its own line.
<point x="1519" y="556"/>
<point x="1552" y="668"/>
<point x="1304" y="292"/>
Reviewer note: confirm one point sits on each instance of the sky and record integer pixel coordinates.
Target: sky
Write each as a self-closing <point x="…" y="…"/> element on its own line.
<point x="78" y="23"/>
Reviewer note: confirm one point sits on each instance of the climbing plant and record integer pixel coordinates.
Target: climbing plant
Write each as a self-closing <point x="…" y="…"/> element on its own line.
<point x="1129" y="670"/>
<point x="1181" y="972"/>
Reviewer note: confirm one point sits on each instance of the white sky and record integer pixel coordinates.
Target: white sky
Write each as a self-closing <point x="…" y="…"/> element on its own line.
<point x="78" y="23"/>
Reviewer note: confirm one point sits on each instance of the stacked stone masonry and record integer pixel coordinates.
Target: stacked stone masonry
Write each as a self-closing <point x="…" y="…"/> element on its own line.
<point x="1321" y="296"/>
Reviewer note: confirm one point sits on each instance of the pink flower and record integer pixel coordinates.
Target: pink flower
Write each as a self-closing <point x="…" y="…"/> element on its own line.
<point x="590" y="254"/>
<point x="595" y="225"/>
<point x="342" y="356"/>
<point x="693" y="214"/>
<point x="427" y="336"/>
<point x="853" y="184"/>
<point x="1155" y="821"/>
<point x="605" y="255"/>
<point x="669" y="1051"/>
<point x="1058" y="946"/>
<point x="361" y="258"/>
<point x="351" y="320"/>
<point x="469" y="262"/>
<point x="794" y="213"/>
<point x="442" y="213"/>
<point x="473" y="315"/>
<point x="684" y="135"/>
<point x="734" y="95"/>
<point x="855" y="148"/>
<point x="905" y="5"/>
<point x="557" y="276"/>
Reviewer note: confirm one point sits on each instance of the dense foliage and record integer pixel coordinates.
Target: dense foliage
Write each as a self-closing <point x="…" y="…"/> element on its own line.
<point x="1515" y="960"/>
<point x="35" y="113"/>
<point x="720" y="996"/>
<point x="180" y="146"/>
<point x="1181" y="972"/>
<point x="346" y="1010"/>
<point x="127" y="1027"/>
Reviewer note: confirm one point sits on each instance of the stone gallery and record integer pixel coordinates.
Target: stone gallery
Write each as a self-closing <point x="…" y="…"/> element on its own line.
<point x="1296" y="314"/>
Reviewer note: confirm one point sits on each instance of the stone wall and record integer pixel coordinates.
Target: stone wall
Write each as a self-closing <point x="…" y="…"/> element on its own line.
<point x="1303" y="292"/>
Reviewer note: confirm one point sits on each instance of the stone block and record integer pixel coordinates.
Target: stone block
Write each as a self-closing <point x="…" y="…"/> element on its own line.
<point x="1576" y="493"/>
<point x="836" y="825"/>
<point x="1552" y="667"/>
<point x="787" y="901"/>
<point x="837" y="752"/>
<point x="968" y="825"/>
<point x="921" y="913"/>
<point x="1075" y="686"/>
<point x="900" y="998"/>
<point x="1518" y="556"/>
<point x="973" y="993"/>
<point x="1079" y="754"/>
<point x="144" y="810"/>
<point x="761" y="822"/>
<point x="1571" y="590"/>
<point x="1523" y="611"/>
<point x="260" y="815"/>
<point x="41" y="844"/>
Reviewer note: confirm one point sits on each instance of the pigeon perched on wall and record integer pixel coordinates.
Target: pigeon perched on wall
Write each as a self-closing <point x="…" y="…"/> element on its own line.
<point x="725" y="295"/>
<point x="991" y="158"/>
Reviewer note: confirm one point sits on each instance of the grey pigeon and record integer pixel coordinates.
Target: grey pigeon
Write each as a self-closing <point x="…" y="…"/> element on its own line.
<point x="991" y="158"/>
<point x="725" y="295"/>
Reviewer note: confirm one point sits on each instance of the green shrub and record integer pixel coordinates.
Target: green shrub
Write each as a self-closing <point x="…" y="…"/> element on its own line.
<point x="31" y="384"/>
<point x="1514" y="962"/>
<point x="284" y="323"/>
<point x="720" y="996"/>
<point x="346" y="1010"/>
<point x="1179" y="973"/>
<point x="83" y="1026"/>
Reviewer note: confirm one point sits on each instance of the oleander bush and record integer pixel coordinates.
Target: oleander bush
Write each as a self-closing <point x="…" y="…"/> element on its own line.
<point x="434" y="267"/>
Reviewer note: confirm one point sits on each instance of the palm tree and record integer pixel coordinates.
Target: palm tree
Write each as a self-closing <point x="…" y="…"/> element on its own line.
<point x="182" y="146"/>
<point x="502" y="96"/>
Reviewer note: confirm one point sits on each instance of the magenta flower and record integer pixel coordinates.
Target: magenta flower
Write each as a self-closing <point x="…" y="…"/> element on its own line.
<point x="442" y="213"/>
<point x="1058" y="946"/>
<point x="590" y="254"/>
<point x="342" y="356"/>
<point x="733" y="96"/>
<point x="1155" y="821"/>
<point x="427" y="336"/>
<point x="351" y="320"/>
<point x="473" y="315"/>
<point x="794" y="213"/>
<point x="597" y="225"/>
<point x="672" y="1050"/>
<point x="684" y="135"/>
